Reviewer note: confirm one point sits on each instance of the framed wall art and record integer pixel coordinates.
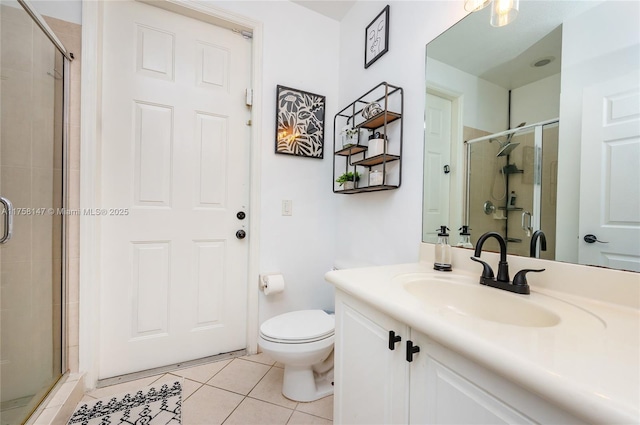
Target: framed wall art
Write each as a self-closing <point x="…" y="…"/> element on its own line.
<point x="376" y="40"/>
<point x="299" y="123"/>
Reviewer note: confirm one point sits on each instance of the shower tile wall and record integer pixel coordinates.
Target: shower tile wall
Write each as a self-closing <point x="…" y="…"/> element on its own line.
<point x="70" y="35"/>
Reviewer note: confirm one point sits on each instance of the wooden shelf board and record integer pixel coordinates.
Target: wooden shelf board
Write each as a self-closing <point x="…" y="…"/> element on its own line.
<point x="378" y="120"/>
<point x="352" y="150"/>
<point x="376" y="188"/>
<point x="376" y="160"/>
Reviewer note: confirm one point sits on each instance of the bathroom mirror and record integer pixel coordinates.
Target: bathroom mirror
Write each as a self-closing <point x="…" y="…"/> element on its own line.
<point x="567" y="73"/>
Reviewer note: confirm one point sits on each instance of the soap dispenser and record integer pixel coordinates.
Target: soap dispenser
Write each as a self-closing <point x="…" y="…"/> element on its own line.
<point x="465" y="237"/>
<point x="443" y="251"/>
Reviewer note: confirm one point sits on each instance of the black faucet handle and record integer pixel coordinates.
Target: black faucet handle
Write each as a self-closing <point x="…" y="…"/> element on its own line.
<point x="520" y="278"/>
<point x="487" y="271"/>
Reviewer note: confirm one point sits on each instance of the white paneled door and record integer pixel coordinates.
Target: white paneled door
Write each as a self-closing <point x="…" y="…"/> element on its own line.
<point x="610" y="174"/>
<point x="174" y="175"/>
<point x="437" y="155"/>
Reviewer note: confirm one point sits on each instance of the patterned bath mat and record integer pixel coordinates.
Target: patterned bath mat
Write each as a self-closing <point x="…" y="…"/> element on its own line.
<point x="155" y="405"/>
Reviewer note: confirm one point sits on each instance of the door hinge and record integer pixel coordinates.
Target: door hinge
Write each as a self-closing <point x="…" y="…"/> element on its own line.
<point x="246" y="34"/>
<point x="249" y="97"/>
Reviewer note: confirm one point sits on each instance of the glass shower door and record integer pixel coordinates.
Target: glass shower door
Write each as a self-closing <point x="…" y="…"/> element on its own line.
<point x="31" y="135"/>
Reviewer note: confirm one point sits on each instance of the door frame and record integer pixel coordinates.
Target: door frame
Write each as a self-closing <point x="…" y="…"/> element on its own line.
<point x="90" y="275"/>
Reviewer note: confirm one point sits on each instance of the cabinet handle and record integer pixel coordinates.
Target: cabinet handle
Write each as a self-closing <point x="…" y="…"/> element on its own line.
<point x="393" y="338"/>
<point x="411" y="350"/>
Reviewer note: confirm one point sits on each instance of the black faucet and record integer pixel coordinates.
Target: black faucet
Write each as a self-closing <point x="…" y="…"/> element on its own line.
<point x="502" y="281"/>
<point x="543" y="243"/>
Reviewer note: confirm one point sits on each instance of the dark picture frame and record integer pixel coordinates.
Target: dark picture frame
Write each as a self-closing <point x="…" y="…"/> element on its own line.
<point x="299" y="123"/>
<point x="376" y="38"/>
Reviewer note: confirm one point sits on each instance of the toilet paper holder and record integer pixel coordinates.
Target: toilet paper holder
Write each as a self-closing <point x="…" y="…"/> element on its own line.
<point x="264" y="280"/>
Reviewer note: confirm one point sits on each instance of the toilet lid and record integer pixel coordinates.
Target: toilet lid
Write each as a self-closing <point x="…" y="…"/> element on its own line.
<point x="303" y="325"/>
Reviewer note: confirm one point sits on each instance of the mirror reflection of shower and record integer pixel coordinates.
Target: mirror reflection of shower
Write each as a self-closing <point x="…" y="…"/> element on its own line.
<point x="512" y="183"/>
<point x="504" y="150"/>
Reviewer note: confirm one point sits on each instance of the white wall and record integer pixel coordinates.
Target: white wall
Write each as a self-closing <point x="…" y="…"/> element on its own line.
<point x="536" y="102"/>
<point x="300" y="50"/>
<point x="385" y="227"/>
<point x="485" y="105"/>
<point x="66" y="10"/>
<point x="591" y="53"/>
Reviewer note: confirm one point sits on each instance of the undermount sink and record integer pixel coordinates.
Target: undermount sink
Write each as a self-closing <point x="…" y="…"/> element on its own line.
<point x="467" y="298"/>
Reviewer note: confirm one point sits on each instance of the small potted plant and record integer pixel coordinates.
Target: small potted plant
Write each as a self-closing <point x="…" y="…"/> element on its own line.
<point x="348" y="179"/>
<point x="349" y="136"/>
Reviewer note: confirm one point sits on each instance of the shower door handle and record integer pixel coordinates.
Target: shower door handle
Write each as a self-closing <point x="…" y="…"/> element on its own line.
<point x="526" y="227"/>
<point x="8" y="220"/>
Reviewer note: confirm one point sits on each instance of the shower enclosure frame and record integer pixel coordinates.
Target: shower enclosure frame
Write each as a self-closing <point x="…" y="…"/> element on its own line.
<point x="537" y="176"/>
<point x="67" y="58"/>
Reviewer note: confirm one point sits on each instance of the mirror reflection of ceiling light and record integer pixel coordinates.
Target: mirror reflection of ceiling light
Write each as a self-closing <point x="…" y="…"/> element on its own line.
<point x="475" y="5"/>
<point x="503" y="12"/>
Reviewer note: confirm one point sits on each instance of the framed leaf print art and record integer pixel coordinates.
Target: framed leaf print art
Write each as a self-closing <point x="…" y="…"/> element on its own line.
<point x="299" y="123"/>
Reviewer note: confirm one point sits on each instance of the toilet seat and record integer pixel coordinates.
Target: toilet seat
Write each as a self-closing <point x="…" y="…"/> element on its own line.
<point x="298" y="327"/>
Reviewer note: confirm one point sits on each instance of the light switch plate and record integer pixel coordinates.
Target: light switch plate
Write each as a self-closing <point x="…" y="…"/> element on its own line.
<point x="287" y="207"/>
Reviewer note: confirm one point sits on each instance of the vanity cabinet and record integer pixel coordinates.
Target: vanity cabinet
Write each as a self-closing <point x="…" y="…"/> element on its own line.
<point x="371" y="381"/>
<point x="378" y="161"/>
<point x="374" y="384"/>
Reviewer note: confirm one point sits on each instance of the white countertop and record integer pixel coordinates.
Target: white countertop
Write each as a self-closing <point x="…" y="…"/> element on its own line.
<point x="588" y="364"/>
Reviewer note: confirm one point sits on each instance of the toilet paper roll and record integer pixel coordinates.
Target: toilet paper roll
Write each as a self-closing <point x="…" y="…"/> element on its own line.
<point x="273" y="284"/>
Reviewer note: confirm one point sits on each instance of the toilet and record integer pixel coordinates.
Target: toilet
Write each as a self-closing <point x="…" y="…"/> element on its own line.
<point x="302" y="341"/>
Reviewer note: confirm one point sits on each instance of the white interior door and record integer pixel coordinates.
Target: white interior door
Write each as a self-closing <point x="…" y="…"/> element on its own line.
<point x="610" y="174"/>
<point x="437" y="155"/>
<point x="174" y="174"/>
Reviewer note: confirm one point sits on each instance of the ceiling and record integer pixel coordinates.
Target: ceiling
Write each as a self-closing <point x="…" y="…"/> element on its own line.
<point x="504" y="55"/>
<point x="334" y="9"/>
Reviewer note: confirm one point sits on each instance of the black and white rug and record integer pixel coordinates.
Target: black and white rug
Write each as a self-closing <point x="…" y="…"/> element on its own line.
<point x="155" y="405"/>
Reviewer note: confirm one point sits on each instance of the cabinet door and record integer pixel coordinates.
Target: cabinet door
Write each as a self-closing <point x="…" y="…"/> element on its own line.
<point x="447" y="388"/>
<point x="371" y="381"/>
<point x="441" y="394"/>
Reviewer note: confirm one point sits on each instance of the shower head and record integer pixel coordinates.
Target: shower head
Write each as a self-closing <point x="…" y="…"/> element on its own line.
<point x="507" y="148"/>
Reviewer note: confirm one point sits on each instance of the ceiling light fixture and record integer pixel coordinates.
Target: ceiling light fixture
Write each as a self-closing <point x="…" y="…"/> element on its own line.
<point x="475" y="5"/>
<point x="503" y="12"/>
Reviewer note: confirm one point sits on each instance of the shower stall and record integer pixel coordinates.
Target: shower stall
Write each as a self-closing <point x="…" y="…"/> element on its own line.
<point x="33" y="127"/>
<point x="511" y="185"/>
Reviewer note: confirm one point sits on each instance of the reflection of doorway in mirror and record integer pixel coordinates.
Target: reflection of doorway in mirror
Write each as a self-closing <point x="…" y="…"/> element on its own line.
<point x="437" y="154"/>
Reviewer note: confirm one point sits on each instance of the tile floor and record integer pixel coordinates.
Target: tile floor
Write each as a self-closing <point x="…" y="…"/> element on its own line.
<point x="245" y="390"/>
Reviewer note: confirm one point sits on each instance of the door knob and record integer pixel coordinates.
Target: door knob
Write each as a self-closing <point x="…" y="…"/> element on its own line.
<point x="241" y="234"/>
<point x="592" y="239"/>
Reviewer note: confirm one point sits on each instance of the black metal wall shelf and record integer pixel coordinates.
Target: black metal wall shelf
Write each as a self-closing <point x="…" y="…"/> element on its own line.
<point x="353" y="157"/>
